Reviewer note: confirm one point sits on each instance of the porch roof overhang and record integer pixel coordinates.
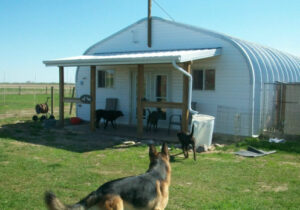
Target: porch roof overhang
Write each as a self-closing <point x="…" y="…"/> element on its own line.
<point x="146" y="57"/>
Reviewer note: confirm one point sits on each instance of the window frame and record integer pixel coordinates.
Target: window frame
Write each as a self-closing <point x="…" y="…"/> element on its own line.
<point x="204" y="81"/>
<point x="107" y="73"/>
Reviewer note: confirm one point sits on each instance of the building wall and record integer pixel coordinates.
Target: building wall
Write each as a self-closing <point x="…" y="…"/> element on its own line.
<point x="229" y="102"/>
<point x="121" y="90"/>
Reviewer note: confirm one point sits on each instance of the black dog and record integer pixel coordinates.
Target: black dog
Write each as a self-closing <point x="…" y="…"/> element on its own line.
<point x="108" y="116"/>
<point x="185" y="140"/>
<point x="152" y="119"/>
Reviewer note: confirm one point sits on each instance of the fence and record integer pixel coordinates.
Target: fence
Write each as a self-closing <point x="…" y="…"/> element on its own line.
<point x="19" y="100"/>
<point x="281" y="109"/>
<point x="22" y="89"/>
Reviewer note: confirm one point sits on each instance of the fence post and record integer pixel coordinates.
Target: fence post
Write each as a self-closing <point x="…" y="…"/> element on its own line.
<point x="71" y="105"/>
<point x="3" y="95"/>
<point x="19" y="90"/>
<point x="51" y="100"/>
<point x="46" y="90"/>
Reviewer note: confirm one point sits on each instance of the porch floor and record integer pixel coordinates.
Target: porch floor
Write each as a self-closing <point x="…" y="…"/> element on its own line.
<point x="127" y="131"/>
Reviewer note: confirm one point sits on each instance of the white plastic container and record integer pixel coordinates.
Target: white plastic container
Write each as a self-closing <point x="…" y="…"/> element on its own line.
<point x="203" y="129"/>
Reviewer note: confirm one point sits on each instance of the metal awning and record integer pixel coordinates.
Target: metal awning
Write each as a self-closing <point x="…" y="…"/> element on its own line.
<point x="149" y="57"/>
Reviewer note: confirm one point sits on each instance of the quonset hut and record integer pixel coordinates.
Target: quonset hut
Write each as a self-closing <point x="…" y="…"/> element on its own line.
<point x="229" y="74"/>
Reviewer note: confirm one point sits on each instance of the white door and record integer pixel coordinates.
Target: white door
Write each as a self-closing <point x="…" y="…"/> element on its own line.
<point x="155" y="89"/>
<point x="161" y="92"/>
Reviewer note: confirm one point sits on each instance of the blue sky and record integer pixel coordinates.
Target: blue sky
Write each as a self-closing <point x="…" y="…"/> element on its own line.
<point x="37" y="30"/>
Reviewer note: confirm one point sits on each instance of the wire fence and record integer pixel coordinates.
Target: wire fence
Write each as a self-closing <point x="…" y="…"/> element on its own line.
<point x="23" y="89"/>
<point x="281" y="110"/>
<point x="19" y="100"/>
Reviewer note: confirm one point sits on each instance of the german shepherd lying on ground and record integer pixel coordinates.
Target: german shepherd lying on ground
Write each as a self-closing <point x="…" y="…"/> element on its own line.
<point x="148" y="191"/>
<point x="186" y="140"/>
<point x="108" y="116"/>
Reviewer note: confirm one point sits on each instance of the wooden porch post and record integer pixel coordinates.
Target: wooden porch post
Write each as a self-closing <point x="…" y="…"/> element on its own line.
<point x="185" y="111"/>
<point x="61" y="96"/>
<point x="139" y="103"/>
<point x="93" y="96"/>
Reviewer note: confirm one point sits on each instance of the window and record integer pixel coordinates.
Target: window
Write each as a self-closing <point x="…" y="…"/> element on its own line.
<point x="198" y="79"/>
<point x="106" y="78"/>
<point x="210" y="79"/>
<point x="204" y="79"/>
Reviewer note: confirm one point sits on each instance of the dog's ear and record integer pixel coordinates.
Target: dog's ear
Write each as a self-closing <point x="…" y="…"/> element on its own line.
<point x="152" y="151"/>
<point x="164" y="149"/>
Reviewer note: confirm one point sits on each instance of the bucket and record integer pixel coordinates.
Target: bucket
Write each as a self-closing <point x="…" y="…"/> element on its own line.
<point x="75" y="120"/>
<point x="203" y="129"/>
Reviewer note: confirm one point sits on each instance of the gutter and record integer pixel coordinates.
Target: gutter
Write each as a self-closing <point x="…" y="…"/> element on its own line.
<point x="190" y="86"/>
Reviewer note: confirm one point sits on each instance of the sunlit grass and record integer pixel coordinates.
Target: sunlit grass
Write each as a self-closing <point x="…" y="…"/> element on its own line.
<point x="218" y="180"/>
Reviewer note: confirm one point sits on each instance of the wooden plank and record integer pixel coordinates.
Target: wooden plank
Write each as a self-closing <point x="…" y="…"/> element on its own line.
<point x="140" y="95"/>
<point x="93" y="96"/>
<point x="71" y="105"/>
<point x="61" y="96"/>
<point x="72" y="100"/>
<point x="282" y="107"/>
<point x="149" y="24"/>
<point x="185" y="111"/>
<point x="163" y="104"/>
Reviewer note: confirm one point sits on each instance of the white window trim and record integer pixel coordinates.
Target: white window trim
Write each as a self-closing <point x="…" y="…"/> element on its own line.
<point x="204" y="75"/>
<point x="114" y="77"/>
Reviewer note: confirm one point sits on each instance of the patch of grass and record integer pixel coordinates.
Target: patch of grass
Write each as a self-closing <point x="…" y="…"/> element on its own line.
<point x="289" y="146"/>
<point x="14" y="102"/>
<point x="217" y="180"/>
<point x="10" y="103"/>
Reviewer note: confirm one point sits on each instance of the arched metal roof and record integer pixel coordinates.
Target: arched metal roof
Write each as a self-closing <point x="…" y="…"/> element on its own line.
<point x="270" y="65"/>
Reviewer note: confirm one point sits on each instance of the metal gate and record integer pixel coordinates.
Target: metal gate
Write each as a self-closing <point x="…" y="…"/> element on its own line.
<point x="281" y="108"/>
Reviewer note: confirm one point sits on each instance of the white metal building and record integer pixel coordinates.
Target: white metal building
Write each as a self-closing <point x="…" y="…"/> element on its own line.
<point x="228" y="73"/>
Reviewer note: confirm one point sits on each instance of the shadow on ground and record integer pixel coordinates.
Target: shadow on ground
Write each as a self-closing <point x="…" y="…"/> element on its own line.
<point x="35" y="133"/>
<point x="75" y="138"/>
<point x="81" y="139"/>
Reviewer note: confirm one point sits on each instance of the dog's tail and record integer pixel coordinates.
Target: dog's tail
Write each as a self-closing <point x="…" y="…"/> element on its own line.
<point x="53" y="203"/>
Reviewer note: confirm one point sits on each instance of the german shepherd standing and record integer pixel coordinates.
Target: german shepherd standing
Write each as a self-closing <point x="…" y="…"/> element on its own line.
<point x="148" y="191"/>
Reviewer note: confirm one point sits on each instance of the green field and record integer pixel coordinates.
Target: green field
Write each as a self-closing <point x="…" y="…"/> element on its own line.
<point x="34" y="159"/>
<point x="13" y="104"/>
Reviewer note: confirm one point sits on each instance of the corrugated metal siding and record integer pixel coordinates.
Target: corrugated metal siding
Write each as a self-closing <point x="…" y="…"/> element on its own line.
<point x="268" y="66"/>
<point x="231" y="94"/>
